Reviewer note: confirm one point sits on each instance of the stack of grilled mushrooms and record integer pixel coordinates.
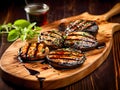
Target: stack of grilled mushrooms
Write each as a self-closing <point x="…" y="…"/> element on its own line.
<point x="62" y="49"/>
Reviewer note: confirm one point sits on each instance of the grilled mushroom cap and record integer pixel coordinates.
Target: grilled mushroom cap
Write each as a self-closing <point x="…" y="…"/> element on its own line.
<point x="65" y="45"/>
<point x="82" y="25"/>
<point x="52" y="39"/>
<point x="81" y="41"/>
<point x="65" y="58"/>
<point x="33" y="52"/>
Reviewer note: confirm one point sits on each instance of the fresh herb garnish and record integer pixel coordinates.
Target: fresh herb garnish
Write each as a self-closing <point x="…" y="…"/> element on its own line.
<point x="21" y="28"/>
<point x="43" y="50"/>
<point x="65" y="36"/>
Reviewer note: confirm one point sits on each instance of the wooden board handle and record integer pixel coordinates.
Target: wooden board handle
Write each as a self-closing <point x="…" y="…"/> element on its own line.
<point x="114" y="11"/>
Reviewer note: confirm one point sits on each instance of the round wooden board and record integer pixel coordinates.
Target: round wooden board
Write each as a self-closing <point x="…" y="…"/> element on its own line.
<point x="14" y="71"/>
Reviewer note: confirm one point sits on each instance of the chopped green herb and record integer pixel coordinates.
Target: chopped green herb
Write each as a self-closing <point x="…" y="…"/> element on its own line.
<point x="65" y="36"/>
<point x="43" y="50"/>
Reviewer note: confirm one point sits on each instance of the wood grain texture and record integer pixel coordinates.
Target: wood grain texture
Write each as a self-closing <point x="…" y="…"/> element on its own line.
<point x="14" y="71"/>
<point x="116" y="55"/>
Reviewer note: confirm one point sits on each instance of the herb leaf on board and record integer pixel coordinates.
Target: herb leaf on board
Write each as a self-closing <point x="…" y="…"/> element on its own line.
<point x="21" y="28"/>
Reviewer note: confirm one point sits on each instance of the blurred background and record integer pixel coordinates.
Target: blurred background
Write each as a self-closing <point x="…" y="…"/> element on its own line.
<point x="71" y="7"/>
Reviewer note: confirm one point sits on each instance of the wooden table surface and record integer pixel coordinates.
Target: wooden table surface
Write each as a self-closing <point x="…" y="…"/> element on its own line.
<point x="107" y="76"/>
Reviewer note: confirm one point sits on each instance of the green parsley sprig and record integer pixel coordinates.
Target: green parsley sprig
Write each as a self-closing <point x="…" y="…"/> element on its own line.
<point x="21" y="28"/>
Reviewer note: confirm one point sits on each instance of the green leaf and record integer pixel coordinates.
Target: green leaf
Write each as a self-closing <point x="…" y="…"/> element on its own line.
<point x="31" y="25"/>
<point x="37" y="28"/>
<point x="23" y="37"/>
<point x="0" y="28"/>
<point x="21" y="23"/>
<point x="13" y="35"/>
<point x="21" y="28"/>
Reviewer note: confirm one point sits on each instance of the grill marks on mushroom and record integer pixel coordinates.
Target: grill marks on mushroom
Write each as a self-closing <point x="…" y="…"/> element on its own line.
<point x="65" y="58"/>
<point x="82" y="25"/>
<point x="53" y="39"/>
<point x="33" y="52"/>
<point x="66" y="46"/>
<point x="80" y="40"/>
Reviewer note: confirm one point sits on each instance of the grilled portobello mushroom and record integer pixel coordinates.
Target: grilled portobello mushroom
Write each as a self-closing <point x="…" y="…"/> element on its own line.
<point x="63" y="49"/>
<point x="65" y="58"/>
<point x="33" y="52"/>
<point x="82" y="25"/>
<point x="81" y="41"/>
<point x="53" y="39"/>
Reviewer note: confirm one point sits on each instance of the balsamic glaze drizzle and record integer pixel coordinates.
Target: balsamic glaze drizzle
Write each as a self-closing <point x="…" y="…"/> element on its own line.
<point x="35" y="73"/>
<point x="31" y="71"/>
<point x="40" y="79"/>
<point x="100" y="45"/>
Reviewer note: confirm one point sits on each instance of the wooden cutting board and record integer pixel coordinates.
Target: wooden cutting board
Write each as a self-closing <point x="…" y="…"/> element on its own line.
<point x="14" y="71"/>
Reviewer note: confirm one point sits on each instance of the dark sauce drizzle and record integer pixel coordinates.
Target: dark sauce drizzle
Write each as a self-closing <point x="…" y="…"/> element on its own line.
<point x="100" y="45"/>
<point x="36" y="73"/>
<point x="41" y="80"/>
<point x="31" y="71"/>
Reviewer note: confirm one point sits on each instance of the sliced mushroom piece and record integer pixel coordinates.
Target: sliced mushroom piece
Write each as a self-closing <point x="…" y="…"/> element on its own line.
<point x="66" y="58"/>
<point x="82" y="25"/>
<point x="33" y="52"/>
<point x="53" y="39"/>
<point x="81" y="41"/>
